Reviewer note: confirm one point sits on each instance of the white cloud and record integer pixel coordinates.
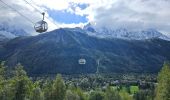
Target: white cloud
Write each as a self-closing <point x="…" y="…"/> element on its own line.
<point x="131" y="14"/>
<point x="12" y="17"/>
<point x="135" y="14"/>
<point x="53" y="4"/>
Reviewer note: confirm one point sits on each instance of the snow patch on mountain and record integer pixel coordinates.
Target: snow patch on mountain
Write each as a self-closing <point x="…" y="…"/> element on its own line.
<point x="123" y="33"/>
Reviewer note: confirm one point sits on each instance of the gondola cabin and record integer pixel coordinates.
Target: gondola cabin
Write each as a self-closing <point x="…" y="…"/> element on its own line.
<point x="82" y="61"/>
<point x="41" y="26"/>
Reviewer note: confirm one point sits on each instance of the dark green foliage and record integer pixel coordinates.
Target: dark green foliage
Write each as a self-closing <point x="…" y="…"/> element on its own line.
<point x="163" y="87"/>
<point x="37" y="94"/>
<point x="20" y="87"/>
<point x="47" y="87"/>
<point x="144" y="95"/>
<point x="58" y="89"/>
<point x="81" y="95"/>
<point x="96" y="95"/>
<point x="2" y="76"/>
<point x="71" y="95"/>
<point x="112" y="94"/>
<point x="125" y="95"/>
<point x="22" y="84"/>
<point x="2" y="71"/>
<point x="5" y="85"/>
<point x="84" y="83"/>
<point x="76" y="92"/>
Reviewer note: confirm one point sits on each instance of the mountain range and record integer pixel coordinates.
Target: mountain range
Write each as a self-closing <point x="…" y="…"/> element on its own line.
<point x="58" y="51"/>
<point x="8" y="31"/>
<point x="122" y="33"/>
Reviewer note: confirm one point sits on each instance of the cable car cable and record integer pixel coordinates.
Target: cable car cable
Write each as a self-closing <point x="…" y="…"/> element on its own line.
<point x="40" y="27"/>
<point x="39" y="11"/>
<point x="33" y="7"/>
<point x="4" y="3"/>
<point x="17" y="12"/>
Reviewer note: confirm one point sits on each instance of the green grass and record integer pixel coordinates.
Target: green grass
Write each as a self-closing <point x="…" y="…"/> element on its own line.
<point x="134" y="89"/>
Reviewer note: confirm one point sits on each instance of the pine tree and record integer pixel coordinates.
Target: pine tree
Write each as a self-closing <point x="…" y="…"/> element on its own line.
<point x="47" y="89"/>
<point x="81" y="94"/>
<point x="112" y="94"/>
<point x="125" y="95"/>
<point x="71" y="95"/>
<point x="22" y="84"/>
<point x="37" y="94"/>
<point x="5" y="84"/>
<point x="58" y="89"/>
<point x="2" y="78"/>
<point x="163" y="87"/>
<point x="2" y="72"/>
<point x="96" y="95"/>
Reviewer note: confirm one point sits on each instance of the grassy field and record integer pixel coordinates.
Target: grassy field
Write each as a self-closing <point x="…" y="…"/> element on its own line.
<point x="134" y="89"/>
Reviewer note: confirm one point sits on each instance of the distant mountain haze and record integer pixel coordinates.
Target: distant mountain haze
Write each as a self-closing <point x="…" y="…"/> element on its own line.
<point x="8" y="31"/>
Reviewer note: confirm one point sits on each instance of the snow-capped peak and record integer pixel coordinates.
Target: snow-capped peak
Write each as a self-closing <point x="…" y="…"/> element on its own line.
<point x="123" y="33"/>
<point x="89" y="28"/>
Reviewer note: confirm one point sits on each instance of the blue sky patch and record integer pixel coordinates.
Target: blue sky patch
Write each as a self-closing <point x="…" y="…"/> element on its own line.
<point x="66" y="17"/>
<point x="83" y="6"/>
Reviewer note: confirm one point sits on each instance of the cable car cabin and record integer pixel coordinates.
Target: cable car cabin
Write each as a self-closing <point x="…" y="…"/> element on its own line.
<point x="41" y="26"/>
<point x="82" y="61"/>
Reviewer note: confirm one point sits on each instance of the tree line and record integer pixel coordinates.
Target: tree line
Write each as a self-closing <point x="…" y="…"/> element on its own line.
<point x="16" y="85"/>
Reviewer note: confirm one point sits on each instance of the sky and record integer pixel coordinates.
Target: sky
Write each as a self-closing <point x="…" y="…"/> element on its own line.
<point x="129" y="14"/>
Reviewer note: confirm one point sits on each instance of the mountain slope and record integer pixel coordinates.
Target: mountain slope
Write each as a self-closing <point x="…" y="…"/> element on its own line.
<point x="59" y="51"/>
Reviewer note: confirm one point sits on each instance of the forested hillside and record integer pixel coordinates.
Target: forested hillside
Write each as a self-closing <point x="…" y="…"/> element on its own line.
<point x="58" y="51"/>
